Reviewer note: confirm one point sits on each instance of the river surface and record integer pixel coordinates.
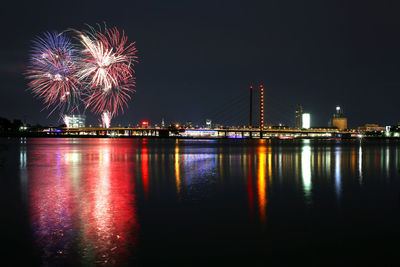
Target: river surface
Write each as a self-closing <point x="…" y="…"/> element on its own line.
<point x="83" y="202"/>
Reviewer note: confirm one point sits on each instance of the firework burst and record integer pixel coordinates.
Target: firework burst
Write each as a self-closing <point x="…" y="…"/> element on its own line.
<point x="98" y="72"/>
<point x="106" y="68"/>
<point x="52" y="71"/>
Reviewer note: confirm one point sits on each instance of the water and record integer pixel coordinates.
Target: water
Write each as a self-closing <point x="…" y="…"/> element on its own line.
<point x="195" y="202"/>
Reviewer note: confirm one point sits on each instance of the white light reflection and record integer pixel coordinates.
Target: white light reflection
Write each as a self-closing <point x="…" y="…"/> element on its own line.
<point x="22" y="158"/>
<point x="197" y="166"/>
<point x="22" y="169"/>
<point x="337" y="173"/>
<point x="360" y="163"/>
<point x="72" y="157"/>
<point x="306" y="168"/>
<point x="280" y="155"/>
<point x="387" y="160"/>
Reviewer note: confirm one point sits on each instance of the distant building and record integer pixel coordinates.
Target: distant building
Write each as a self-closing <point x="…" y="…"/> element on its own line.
<point x="208" y="123"/>
<point x="306" y="121"/>
<point x="145" y="124"/>
<point x="370" y="127"/>
<point x="340" y="123"/>
<point x="75" y="121"/>
<point x="396" y="129"/>
<point x="339" y="120"/>
<point x="162" y="123"/>
<point x="299" y="117"/>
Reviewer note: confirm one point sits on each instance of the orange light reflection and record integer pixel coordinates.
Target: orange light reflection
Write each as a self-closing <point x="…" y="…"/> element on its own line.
<point x="177" y="170"/>
<point x="261" y="183"/>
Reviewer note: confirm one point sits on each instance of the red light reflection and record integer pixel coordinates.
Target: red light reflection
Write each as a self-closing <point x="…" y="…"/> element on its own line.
<point x="145" y="169"/>
<point x="83" y="201"/>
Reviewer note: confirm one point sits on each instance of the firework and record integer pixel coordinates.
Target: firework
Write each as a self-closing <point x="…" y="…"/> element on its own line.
<point x="67" y="121"/>
<point x="106" y="119"/>
<point x="98" y="72"/>
<point x="52" y="71"/>
<point x="106" y="68"/>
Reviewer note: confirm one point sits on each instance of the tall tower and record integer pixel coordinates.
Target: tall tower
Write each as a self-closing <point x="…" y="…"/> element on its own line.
<point x="299" y="117"/>
<point x="251" y="108"/>
<point x="261" y="107"/>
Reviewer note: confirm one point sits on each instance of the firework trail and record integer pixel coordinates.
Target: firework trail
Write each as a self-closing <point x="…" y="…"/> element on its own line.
<point x="52" y="69"/>
<point x="106" y="67"/>
<point x="106" y="119"/>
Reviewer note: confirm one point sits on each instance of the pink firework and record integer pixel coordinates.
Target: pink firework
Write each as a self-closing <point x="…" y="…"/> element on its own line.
<point x="107" y="70"/>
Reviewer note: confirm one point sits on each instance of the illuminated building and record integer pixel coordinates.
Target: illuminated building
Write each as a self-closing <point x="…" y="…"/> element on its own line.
<point x="306" y="120"/>
<point x="208" y="123"/>
<point x="339" y="120"/>
<point x="340" y="123"/>
<point x="299" y="116"/>
<point x="200" y="133"/>
<point x="371" y="128"/>
<point x="145" y="124"/>
<point x="74" y="121"/>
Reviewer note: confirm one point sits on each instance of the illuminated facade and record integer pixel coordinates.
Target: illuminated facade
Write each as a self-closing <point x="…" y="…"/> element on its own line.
<point x="208" y="123"/>
<point x="340" y="123"/>
<point x="75" y="121"/>
<point x="371" y="128"/>
<point x="339" y="120"/>
<point x="306" y="121"/>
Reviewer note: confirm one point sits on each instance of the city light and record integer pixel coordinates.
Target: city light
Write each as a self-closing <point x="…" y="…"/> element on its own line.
<point x="261" y="107"/>
<point x="306" y="121"/>
<point x="74" y="121"/>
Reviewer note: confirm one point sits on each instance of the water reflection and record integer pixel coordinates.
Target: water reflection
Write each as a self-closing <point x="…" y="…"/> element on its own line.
<point x="306" y="168"/>
<point x="82" y="201"/>
<point x="22" y="169"/>
<point x="250" y="185"/>
<point x="145" y="167"/>
<point x="177" y="168"/>
<point x="360" y="156"/>
<point x="338" y="178"/>
<point x="261" y="183"/>
<point x="83" y="193"/>
<point x="198" y="168"/>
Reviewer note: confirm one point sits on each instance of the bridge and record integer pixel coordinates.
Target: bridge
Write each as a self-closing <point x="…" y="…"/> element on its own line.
<point x="232" y="106"/>
<point x="267" y="132"/>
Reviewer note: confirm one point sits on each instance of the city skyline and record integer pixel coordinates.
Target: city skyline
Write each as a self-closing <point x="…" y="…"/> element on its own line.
<point x="193" y="57"/>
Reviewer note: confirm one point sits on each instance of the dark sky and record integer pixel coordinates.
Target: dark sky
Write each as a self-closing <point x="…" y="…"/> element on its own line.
<point x="198" y="57"/>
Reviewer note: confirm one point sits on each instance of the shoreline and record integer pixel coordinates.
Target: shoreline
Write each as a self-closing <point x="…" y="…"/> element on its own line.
<point x="56" y="135"/>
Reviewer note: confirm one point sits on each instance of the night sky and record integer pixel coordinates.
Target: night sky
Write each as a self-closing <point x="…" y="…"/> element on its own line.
<point x="198" y="57"/>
